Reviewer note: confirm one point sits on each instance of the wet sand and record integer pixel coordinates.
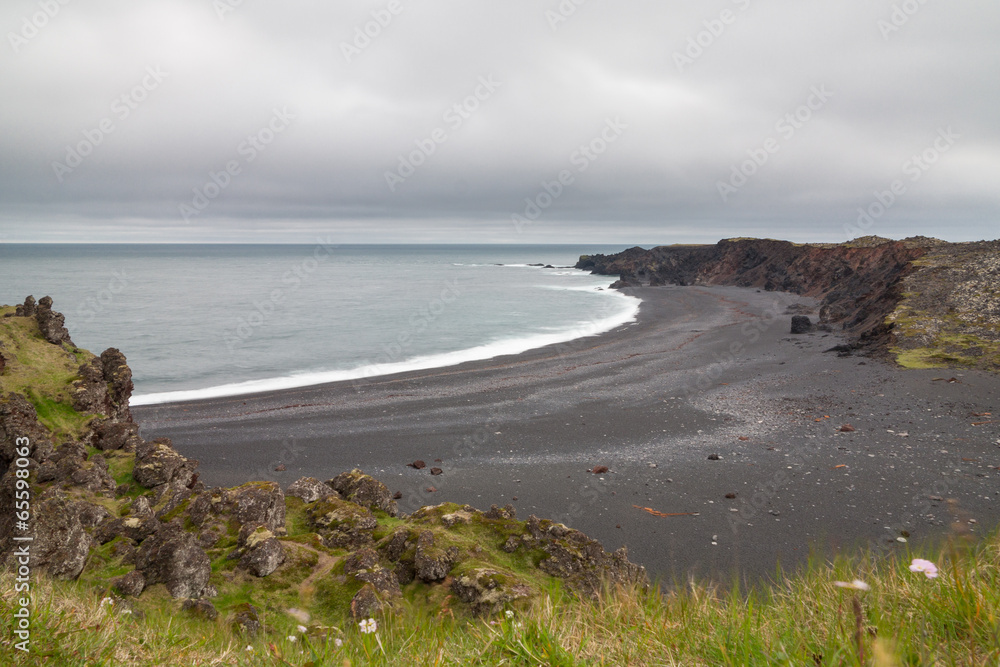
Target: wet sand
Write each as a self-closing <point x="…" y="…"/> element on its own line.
<point x="702" y="369"/>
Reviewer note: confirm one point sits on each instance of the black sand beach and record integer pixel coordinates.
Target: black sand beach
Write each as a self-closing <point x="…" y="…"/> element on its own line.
<point x="705" y="370"/>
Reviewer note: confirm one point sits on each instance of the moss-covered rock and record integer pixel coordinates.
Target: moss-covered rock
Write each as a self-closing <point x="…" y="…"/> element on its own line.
<point x="364" y="490"/>
<point x="342" y="524"/>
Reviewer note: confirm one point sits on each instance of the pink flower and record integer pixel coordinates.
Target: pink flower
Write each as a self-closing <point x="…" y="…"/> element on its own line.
<point x="925" y="566"/>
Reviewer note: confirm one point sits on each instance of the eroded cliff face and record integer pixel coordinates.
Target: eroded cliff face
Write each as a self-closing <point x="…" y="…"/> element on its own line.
<point x="949" y="311"/>
<point x="858" y="283"/>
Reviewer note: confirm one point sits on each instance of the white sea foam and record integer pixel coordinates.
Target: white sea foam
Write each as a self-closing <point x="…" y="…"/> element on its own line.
<point x="626" y="313"/>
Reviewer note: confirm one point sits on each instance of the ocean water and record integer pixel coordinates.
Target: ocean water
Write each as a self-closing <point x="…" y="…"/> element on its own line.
<point x="201" y="321"/>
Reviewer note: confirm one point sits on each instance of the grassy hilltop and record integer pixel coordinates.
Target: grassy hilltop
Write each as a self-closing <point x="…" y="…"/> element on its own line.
<point x="136" y="562"/>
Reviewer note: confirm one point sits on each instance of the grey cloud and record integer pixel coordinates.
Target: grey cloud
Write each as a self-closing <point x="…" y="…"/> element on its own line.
<point x="687" y="126"/>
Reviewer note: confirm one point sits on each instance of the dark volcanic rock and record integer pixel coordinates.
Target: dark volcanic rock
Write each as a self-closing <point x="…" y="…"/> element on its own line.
<point x="263" y="555"/>
<point x="309" y="489"/>
<point x="364" y="490"/>
<point x="801" y="324"/>
<point x="573" y="556"/>
<point x="111" y="436"/>
<point x="119" y="378"/>
<point x="62" y="543"/>
<point x="342" y="524"/>
<point x="433" y="564"/>
<point x="366" y="602"/>
<point x="157" y="462"/>
<point x="131" y="584"/>
<point x="51" y="323"/>
<point x="172" y="557"/>
<point x="27" y="309"/>
<point x="488" y="591"/>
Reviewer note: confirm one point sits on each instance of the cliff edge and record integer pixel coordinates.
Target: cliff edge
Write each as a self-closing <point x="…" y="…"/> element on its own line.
<point x="928" y="302"/>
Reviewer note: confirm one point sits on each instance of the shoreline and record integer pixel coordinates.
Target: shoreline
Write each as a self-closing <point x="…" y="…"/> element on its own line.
<point x="595" y="326"/>
<point x="664" y="391"/>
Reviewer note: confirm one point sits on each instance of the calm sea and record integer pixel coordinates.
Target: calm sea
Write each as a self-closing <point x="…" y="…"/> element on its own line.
<point x="200" y="321"/>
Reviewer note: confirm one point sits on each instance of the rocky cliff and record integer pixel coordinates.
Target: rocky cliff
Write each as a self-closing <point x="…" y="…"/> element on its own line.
<point x="861" y="285"/>
<point x="130" y="517"/>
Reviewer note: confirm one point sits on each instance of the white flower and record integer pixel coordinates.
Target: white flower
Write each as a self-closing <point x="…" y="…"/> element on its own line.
<point x="368" y="625"/>
<point x="302" y="629"/>
<point x="293" y="638"/>
<point x="107" y="601"/>
<point x="925" y="566"/>
<point x="338" y="643"/>
<point x="249" y="649"/>
<point x="509" y="614"/>
<point x="126" y="612"/>
<point x="856" y="585"/>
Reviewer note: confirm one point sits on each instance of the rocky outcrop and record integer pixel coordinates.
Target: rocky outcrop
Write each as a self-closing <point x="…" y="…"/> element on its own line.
<point x="61" y="538"/>
<point x="309" y="489"/>
<point x="488" y="591"/>
<point x="171" y="556"/>
<point x="949" y="314"/>
<point x="364" y="490"/>
<point x="342" y="524"/>
<point x="858" y="283"/>
<point x="51" y="323"/>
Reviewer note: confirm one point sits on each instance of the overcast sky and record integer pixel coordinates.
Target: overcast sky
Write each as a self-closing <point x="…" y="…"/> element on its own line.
<point x="194" y="120"/>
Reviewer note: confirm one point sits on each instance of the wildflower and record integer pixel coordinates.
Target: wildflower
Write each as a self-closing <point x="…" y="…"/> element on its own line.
<point x="126" y="612"/>
<point x="249" y="648"/>
<point x="293" y="638"/>
<point x="368" y="625"/>
<point x="856" y="585"/>
<point x="338" y="643"/>
<point x="107" y="601"/>
<point x="509" y="614"/>
<point x="925" y="566"/>
<point x="301" y="628"/>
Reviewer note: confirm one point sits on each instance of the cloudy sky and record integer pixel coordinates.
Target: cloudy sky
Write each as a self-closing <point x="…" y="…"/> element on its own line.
<point x="518" y="121"/>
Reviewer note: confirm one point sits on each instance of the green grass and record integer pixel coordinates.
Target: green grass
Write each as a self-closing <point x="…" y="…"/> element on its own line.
<point x="42" y="372"/>
<point x="803" y="619"/>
